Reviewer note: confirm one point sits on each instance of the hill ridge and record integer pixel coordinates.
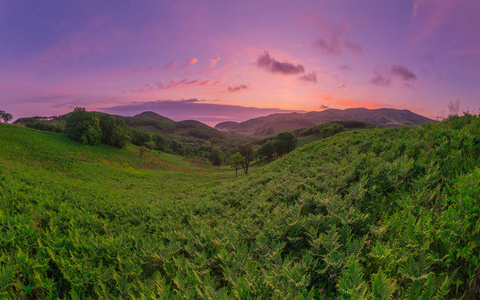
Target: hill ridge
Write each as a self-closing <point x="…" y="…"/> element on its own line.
<point x="275" y="123"/>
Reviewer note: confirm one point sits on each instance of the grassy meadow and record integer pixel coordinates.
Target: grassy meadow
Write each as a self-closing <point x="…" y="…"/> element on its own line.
<point x="366" y="214"/>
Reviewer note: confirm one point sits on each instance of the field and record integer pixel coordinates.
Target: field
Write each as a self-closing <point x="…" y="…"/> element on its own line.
<point x="376" y="213"/>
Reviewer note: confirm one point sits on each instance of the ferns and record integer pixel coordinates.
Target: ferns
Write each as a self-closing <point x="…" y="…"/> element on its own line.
<point x="388" y="213"/>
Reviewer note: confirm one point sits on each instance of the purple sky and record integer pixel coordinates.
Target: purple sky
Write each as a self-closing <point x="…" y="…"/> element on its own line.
<point x="240" y="59"/>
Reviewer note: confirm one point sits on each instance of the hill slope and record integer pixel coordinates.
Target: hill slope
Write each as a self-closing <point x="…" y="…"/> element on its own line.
<point x="388" y="212"/>
<point x="276" y="123"/>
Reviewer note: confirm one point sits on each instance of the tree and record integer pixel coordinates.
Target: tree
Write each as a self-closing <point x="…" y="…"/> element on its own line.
<point x="285" y="143"/>
<point x="454" y="107"/>
<point x="83" y="126"/>
<point x="139" y="138"/>
<point x="267" y="150"/>
<point x="5" y="116"/>
<point x="216" y="156"/>
<point x="150" y="145"/>
<point x="114" y="131"/>
<point x="247" y="154"/>
<point x="235" y="162"/>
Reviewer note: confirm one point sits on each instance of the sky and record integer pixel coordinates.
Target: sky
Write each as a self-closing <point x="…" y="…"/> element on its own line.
<point x="217" y="61"/>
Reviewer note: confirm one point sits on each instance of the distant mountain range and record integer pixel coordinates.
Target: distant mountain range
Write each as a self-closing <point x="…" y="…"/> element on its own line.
<point x="276" y="123"/>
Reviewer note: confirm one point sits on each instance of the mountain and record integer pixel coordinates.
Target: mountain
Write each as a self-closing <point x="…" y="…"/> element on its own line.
<point x="185" y="131"/>
<point x="275" y="123"/>
<point x="150" y="115"/>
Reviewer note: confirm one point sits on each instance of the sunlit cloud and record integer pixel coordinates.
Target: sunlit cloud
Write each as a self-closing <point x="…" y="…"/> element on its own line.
<point x="192" y="61"/>
<point x="206" y="82"/>
<point x="214" y="61"/>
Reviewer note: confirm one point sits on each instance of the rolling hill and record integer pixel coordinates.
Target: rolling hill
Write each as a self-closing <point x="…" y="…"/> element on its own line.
<point x="276" y="123"/>
<point x="378" y="214"/>
<point x="184" y="131"/>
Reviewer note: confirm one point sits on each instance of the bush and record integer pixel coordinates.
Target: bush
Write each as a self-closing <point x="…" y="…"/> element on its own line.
<point x="114" y="131"/>
<point x="84" y="127"/>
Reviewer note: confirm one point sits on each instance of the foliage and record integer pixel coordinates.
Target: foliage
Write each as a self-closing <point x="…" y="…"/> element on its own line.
<point x="216" y="156"/>
<point x="114" y="131"/>
<point x="285" y="143"/>
<point x="6" y="117"/>
<point x="246" y="151"/>
<point x="381" y="213"/>
<point x="83" y="126"/>
<point x="235" y="162"/>
<point x="45" y="126"/>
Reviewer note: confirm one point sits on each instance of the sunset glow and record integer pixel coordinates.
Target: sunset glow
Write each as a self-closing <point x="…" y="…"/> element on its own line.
<point x="216" y="61"/>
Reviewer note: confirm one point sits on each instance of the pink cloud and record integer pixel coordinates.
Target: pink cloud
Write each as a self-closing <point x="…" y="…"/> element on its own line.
<point x="206" y="82"/>
<point x="193" y="81"/>
<point x="170" y="65"/>
<point x="214" y="61"/>
<point x="192" y="61"/>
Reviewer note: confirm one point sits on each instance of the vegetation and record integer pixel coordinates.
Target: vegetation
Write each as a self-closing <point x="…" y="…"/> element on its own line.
<point x="84" y="126"/>
<point x="45" y="126"/>
<point x="284" y="143"/>
<point x="114" y="131"/>
<point x="381" y="213"/>
<point x="6" y="117"/>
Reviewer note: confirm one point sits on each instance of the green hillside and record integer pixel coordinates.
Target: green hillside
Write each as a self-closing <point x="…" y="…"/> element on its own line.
<point x="380" y="213"/>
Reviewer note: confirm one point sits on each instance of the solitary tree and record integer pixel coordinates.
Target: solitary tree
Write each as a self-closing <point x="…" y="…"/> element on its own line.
<point x="83" y="126"/>
<point x="5" y="116"/>
<point x="247" y="154"/>
<point x="235" y="162"/>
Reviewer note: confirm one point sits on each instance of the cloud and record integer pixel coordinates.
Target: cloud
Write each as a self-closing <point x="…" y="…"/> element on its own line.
<point x="403" y="72"/>
<point x="311" y="77"/>
<point x="337" y="34"/>
<point x="170" y="64"/>
<point x="332" y="47"/>
<point x="214" y="61"/>
<point x="354" y="47"/>
<point x="202" y="111"/>
<point x="345" y="67"/>
<point x="193" y="81"/>
<point x="272" y="65"/>
<point x="383" y="75"/>
<point x="237" y="88"/>
<point x="206" y="82"/>
<point x="191" y="62"/>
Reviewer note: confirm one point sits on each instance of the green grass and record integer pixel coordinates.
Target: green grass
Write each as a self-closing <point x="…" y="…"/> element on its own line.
<point x="373" y="213"/>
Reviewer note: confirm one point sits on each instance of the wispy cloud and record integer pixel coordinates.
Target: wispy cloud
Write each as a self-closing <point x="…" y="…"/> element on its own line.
<point x="191" y="62"/>
<point x="170" y="64"/>
<point x="331" y="47"/>
<point x="336" y="35"/>
<point x="353" y="47"/>
<point x="237" y="88"/>
<point x="214" y="61"/>
<point x="383" y="75"/>
<point x="311" y="77"/>
<point x="274" y="66"/>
